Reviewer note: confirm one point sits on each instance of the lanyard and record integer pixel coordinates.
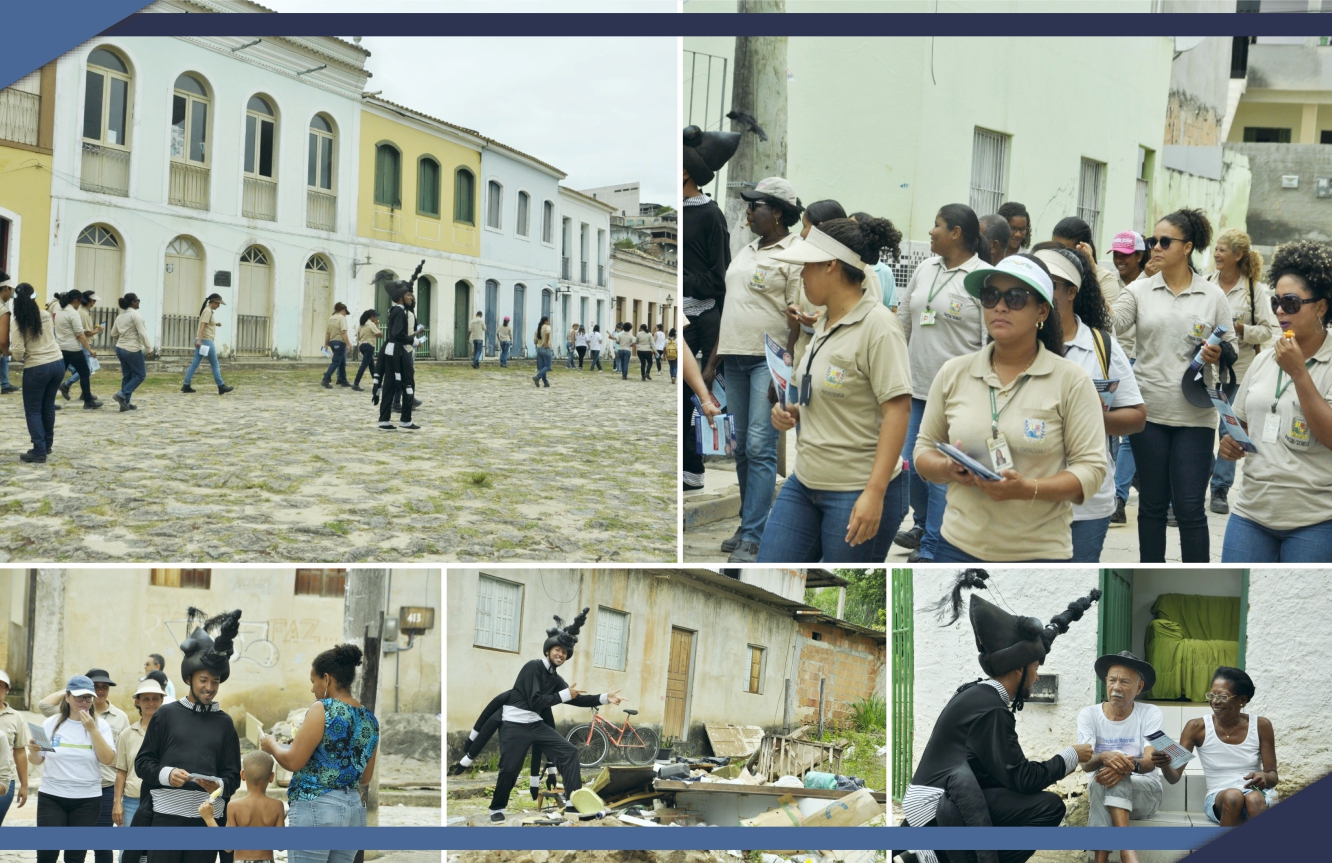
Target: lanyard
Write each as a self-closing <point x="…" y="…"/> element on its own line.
<point x="814" y="349"/>
<point x="994" y="412"/>
<point x="1281" y="387"/>
<point x="935" y="287"/>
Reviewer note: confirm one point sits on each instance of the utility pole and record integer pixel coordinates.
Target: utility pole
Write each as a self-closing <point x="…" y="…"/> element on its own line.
<point x="366" y="598"/>
<point x="758" y="88"/>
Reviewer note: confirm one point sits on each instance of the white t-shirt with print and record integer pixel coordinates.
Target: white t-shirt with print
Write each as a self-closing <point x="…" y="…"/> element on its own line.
<point x="1128" y="736"/>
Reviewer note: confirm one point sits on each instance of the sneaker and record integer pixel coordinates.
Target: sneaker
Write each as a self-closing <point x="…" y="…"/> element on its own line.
<point x="728" y="545"/>
<point x="4" y="391"/>
<point x="92" y="405"/>
<point x="410" y="426"/>
<point x="357" y="388"/>
<point x="64" y="391"/>
<point x="32" y="457"/>
<point x="1170" y="516"/>
<point x="327" y="385"/>
<point x="546" y="383"/>
<point x="916" y="557"/>
<point x="126" y="406"/>
<point x="1119" y="517"/>
<point x="536" y="381"/>
<point x="689" y="486"/>
<point x="224" y="389"/>
<point x="1219" y="504"/>
<point x="497" y="817"/>
<point x="187" y="388"/>
<point x="118" y="399"/>
<point x="746" y="551"/>
<point x="909" y="538"/>
<point x="343" y="384"/>
<point x="387" y="427"/>
<point x="132" y="407"/>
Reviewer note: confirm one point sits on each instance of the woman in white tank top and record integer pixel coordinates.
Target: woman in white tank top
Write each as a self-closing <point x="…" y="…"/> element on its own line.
<point x="1237" y="752"/>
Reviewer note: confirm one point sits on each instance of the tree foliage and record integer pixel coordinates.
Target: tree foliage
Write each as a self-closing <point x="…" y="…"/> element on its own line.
<point x="866" y="597"/>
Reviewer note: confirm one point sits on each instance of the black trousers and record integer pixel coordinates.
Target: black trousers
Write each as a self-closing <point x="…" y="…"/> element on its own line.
<point x="1174" y="465"/>
<point x="645" y="364"/>
<point x="700" y="337"/>
<point x="53" y="811"/>
<point x="582" y="351"/>
<point x="367" y="362"/>
<point x="400" y="384"/>
<point x="518" y="737"/>
<point x="193" y="855"/>
<point x="77" y="361"/>
<point x="488" y="723"/>
<point x="1007" y="809"/>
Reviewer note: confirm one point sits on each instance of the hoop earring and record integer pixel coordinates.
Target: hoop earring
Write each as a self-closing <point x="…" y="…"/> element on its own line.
<point x="1040" y="325"/>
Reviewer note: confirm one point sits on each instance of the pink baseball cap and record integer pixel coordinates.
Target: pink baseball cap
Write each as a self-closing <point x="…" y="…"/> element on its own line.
<point x="1128" y="242"/>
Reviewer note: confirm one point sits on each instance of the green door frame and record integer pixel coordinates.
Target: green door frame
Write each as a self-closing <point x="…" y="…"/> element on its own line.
<point x="1244" y="616"/>
<point x="1114" y="616"/>
<point x="904" y="678"/>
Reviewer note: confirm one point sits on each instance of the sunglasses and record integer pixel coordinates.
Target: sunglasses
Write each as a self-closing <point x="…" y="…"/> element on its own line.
<point x="754" y="205"/>
<point x="1164" y="242"/>
<point x="1014" y="298"/>
<point x="1290" y="303"/>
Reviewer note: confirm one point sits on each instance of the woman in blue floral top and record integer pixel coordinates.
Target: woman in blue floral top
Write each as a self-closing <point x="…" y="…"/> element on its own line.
<point x="332" y="755"/>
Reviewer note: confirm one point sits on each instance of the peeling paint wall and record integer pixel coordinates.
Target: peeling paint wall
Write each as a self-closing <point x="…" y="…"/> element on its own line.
<point x="1277" y="215"/>
<point x="1225" y="201"/>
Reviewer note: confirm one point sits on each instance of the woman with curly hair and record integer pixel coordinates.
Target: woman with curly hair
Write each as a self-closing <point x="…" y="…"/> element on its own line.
<point x="32" y="342"/>
<point x="1175" y="311"/>
<point x="1019" y="226"/>
<point x="1283" y="512"/>
<point x="759" y="290"/>
<point x="846" y="497"/>
<point x="1089" y="341"/>
<point x="1073" y="233"/>
<point x="1238" y="270"/>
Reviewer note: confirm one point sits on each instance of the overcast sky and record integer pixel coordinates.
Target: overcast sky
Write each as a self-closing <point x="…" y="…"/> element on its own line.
<point x="603" y="110"/>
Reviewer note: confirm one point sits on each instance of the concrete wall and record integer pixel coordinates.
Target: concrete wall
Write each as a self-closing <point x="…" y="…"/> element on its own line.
<point x="1278" y="215"/>
<point x="656" y="600"/>
<point x="852" y="663"/>
<point x="88" y="618"/>
<point x="1226" y="202"/>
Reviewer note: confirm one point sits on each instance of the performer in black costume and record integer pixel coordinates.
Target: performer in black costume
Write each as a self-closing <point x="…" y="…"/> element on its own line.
<point x="973" y="771"/>
<point x="485" y="727"/>
<point x="193" y="736"/>
<point x="395" y="372"/>
<point x="538" y="687"/>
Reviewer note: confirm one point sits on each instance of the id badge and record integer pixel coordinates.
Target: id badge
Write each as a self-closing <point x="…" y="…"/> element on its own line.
<point x="806" y="385"/>
<point x="1271" y="427"/>
<point x="1000" y="458"/>
<point x="927" y="318"/>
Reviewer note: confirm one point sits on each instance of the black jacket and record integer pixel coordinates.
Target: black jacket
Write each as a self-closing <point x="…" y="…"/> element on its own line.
<point x="707" y="252"/>
<point x="537" y="688"/>
<point x="204" y="743"/>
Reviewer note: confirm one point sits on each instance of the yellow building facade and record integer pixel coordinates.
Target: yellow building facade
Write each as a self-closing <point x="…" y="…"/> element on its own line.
<point x="27" y="122"/>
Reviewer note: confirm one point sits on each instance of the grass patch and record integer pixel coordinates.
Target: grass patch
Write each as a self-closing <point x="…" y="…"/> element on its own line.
<point x="338" y="527"/>
<point x="863" y="760"/>
<point x="44" y="508"/>
<point x="478" y="479"/>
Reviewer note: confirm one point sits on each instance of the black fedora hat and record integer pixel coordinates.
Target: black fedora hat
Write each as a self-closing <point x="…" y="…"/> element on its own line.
<point x="1128" y="660"/>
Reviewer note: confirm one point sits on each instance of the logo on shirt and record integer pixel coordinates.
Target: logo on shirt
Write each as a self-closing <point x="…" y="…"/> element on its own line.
<point x="1299" y="431"/>
<point x="1199" y="330"/>
<point x="955" y="309"/>
<point x="758" y="279"/>
<point x="1033" y="430"/>
<point x="834" y="376"/>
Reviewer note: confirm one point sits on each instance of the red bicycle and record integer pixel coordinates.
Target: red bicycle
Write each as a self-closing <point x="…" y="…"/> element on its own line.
<point x="594" y="739"/>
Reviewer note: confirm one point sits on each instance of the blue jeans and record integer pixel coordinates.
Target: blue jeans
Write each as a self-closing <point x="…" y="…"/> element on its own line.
<point x="4" y="372"/>
<point x="5" y="800"/>
<point x="131" y="806"/>
<point x="40" y="385"/>
<point x="74" y="376"/>
<point x="338" y="808"/>
<point x="212" y="361"/>
<point x="1089" y="539"/>
<point x="595" y="356"/>
<point x="504" y="354"/>
<point x="946" y="552"/>
<point x="545" y="359"/>
<point x="809" y="526"/>
<point x="622" y="363"/>
<point x="478" y="348"/>
<point x="133" y="371"/>
<point x="569" y="355"/>
<point x="1223" y="470"/>
<point x="337" y="364"/>
<point x="747" y="380"/>
<point x="1247" y="541"/>
<point x="1125" y="467"/>
<point x="919" y="489"/>
<point x="675" y="367"/>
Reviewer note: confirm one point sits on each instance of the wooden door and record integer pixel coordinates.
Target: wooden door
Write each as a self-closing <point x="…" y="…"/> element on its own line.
<point x="183" y="291"/>
<point x="677" y="682"/>
<point x="519" y="322"/>
<point x="462" y="308"/>
<point x="318" y="309"/>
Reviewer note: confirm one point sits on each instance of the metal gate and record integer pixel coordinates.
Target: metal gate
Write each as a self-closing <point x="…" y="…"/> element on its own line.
<point x="904" y="678"/>
<point x="705" y="82"/>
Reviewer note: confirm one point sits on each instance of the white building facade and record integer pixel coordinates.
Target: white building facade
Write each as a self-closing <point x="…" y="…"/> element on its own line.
<point x="644" y="288"/>
<point x="193" y="165"/>
<point x="583" y="294"/>
<point x="519" y="269"/>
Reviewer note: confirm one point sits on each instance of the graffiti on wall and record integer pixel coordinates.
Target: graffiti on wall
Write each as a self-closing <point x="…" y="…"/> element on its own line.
<point x="252" y="642"/>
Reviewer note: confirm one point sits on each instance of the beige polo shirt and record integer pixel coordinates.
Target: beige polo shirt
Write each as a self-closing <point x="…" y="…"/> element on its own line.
<point x="1053" y="422"/>
<point x="504" y="333"/>
<point x="758" y="290"/>
<point x="1127" y="338"/>
<point x="643" y="341"/>
<point x="336" y="326"/>
<point x="476" y="330"/>
<point x="131" y="331"/>
<point x="14" y="728"/>
<point x="128" y="742"/>
<point x="86" y="317"/>
<point x="1109" y="282"/>
<point x="207" y="326"/>
<point x="1260" y="322"/>
<point x="34" y="352"/>
<point x="368" y="333"/>
<point x="544" y="340"/>
<point x="959" y="326"/>
<point x="1171" y="329"/>
<point x="624" y="340"/>
<point x="68" y="328"/>
<point x="857" y="366"/>
<point x="1286" y="484"/>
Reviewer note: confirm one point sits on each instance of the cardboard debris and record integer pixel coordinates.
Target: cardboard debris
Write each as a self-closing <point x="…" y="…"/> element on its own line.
<point x="851" y="811"/>
<point x="735" y="741"/>
<point x="784" y="814"/>
<point x="617" y="780"/>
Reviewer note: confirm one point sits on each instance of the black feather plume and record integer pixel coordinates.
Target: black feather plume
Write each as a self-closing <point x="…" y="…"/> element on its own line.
<point x="951" y="603"/>
<point x="753" y="124"/>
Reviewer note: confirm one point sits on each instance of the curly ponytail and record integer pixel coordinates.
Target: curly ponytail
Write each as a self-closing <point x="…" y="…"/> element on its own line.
<point x="868" y="237"/>
<point x="1195" y="227"/>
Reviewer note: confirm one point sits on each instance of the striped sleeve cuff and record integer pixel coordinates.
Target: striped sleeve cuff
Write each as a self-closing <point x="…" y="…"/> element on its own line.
<point x="1070" y="756"/>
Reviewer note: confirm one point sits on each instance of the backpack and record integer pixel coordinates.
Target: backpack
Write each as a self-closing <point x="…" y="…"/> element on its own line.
<point x="672" y="352"/>
<point x="1101" y="338"/>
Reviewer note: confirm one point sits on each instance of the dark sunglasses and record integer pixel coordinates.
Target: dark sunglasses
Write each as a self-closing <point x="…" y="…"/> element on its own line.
<point x="1151" y="242"/>
<point x="1290" y="303"/>
<point x="1014" y="298"/>
<point x="754" y="205"/>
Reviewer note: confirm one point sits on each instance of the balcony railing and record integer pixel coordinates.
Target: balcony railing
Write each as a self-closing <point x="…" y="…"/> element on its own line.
<point x="564" y="268"/>
<point x="582" y="272"/>
<point x="260" y="199"/>
<point x="19" y="113"/>
<point x="320" y="210"/>
<point x="252" y="336"/>
<point x="178" y="332"/>
<point x="601" y="275"/>
<point x="105" y="169"/>
<point x="189" y="185"/>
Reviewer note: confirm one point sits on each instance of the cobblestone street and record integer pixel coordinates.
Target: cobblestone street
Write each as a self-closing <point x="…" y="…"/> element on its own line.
<point x="284" y="470"/>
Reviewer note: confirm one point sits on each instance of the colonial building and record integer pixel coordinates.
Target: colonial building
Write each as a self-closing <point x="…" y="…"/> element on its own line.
<point x="583" y="289"/>
<point x="27" y="115"/>
<point x="645" y="288"/>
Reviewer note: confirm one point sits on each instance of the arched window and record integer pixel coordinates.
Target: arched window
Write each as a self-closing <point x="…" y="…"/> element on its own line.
<point x="464" y="196"/>
<point x="494" y="204"/>
<point x="189" y="120"/>
<point x="548" y="222"/>
<point x="388" y="176"/>
<point x="319" y="172"/>
<point x="260" y="138"/>
<point x="427" y="187"/>
<point x="106" y="105"/>
<point x="524" y="205"/>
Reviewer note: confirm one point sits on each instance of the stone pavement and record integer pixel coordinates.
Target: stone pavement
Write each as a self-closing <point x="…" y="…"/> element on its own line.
<point x="282" y="469"/>
<point x="702" y="543"/>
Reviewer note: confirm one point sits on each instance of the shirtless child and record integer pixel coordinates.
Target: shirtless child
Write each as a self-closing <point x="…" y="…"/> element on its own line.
<point x="256" y="808"/>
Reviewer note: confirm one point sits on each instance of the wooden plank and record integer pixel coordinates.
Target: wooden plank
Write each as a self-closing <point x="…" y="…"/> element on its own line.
<point x="677" y="682"/>
<point x="735" y="741"/>
<point x="766" y="790"/>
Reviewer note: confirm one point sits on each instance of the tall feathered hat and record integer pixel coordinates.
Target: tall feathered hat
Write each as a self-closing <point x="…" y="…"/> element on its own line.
<point x="706" y="152"/>
<point x="1005" y="641"/>
<point x="395" y="289"/>
<point x="210" y="644"/>
<point x="564" y="636"/>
